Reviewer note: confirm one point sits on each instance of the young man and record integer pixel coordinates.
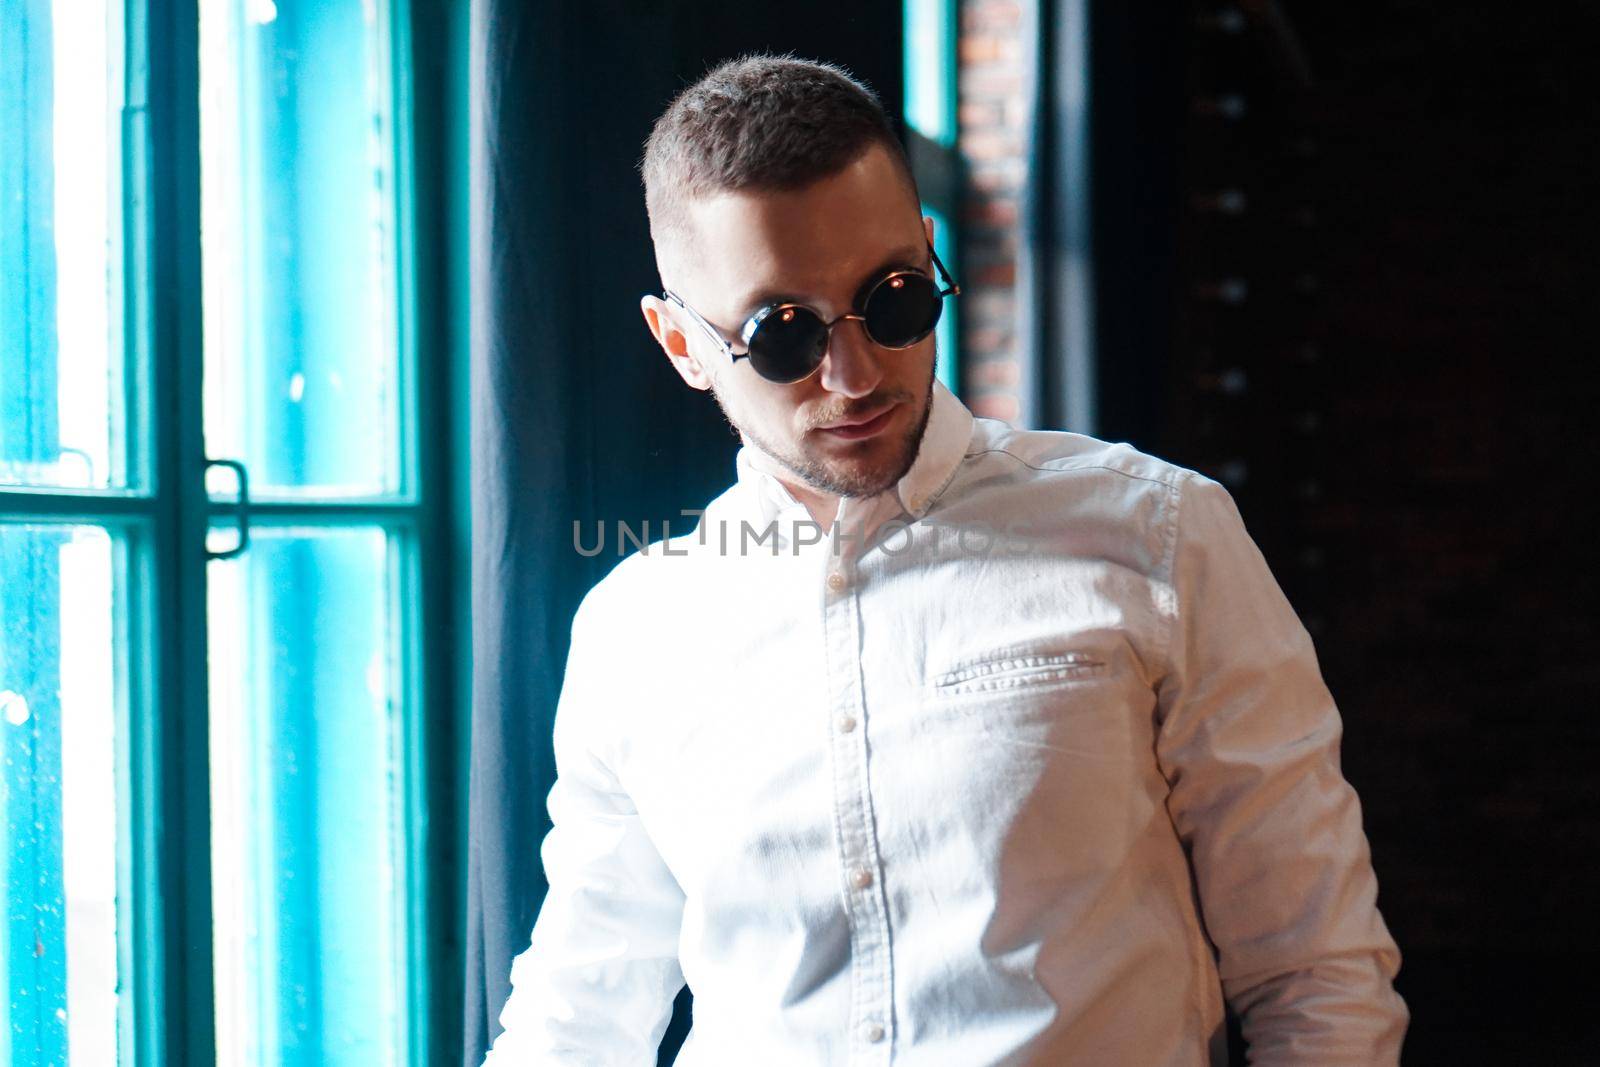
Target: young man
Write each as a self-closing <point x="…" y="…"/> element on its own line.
<point x="936" y="742"/>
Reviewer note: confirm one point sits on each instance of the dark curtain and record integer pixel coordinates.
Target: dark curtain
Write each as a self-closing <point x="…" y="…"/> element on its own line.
<point x="576" y="416"/>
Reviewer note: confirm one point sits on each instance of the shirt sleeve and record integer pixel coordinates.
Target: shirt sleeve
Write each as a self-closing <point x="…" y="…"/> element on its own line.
<point x="1249" y="744"/>
<point x="595" y="986"/>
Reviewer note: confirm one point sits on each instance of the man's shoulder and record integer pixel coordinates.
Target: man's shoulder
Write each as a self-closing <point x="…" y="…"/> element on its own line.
<point x="1031" y="455"/>
<point x="1073" y="493"/>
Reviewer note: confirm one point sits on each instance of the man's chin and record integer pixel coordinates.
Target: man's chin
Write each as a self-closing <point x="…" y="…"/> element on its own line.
<point x="862" y="468"/>
<point x="866" y="475"/>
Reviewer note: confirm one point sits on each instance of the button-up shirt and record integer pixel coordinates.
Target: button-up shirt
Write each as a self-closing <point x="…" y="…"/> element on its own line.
<point x="1041" y="772"/>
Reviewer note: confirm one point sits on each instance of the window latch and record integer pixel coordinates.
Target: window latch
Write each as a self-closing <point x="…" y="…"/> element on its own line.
<point x="241" y="508"/>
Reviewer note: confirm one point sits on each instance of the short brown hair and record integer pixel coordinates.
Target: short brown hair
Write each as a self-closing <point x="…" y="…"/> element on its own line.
<point x="760" y="122"/>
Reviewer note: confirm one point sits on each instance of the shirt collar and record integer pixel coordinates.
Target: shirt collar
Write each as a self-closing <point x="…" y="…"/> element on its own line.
<point x="944" y="442"/>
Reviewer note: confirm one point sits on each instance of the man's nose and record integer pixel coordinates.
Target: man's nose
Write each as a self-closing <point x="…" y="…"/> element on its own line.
<point x="850" y="367"/>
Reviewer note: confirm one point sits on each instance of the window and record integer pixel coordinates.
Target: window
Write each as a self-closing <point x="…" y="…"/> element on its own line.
<point x="930" y="106"/>
<point x="228" y="765"/>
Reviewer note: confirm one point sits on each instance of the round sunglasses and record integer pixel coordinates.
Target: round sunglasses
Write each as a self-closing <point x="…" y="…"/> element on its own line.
<point x="785" y="342"/>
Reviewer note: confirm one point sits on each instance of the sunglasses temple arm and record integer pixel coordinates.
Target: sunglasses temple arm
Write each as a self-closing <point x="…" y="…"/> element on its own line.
<point x="953" y="289"/>
<point x="711" y="331"/>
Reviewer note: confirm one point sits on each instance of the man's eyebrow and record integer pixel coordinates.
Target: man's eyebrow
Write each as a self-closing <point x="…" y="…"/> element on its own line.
<point x="908" y="256"/>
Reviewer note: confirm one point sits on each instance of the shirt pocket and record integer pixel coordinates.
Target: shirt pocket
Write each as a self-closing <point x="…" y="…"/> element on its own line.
<point x="1036" y="705"/>
<point x="1013" y="669"/>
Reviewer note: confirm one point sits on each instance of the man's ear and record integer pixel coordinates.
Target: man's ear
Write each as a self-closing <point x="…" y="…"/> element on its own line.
<point x="673" y="342"/>
<point x="927" y="227"/>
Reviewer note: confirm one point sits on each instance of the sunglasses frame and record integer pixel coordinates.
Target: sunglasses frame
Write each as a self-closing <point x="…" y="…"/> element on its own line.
<point x="754" y="321"/>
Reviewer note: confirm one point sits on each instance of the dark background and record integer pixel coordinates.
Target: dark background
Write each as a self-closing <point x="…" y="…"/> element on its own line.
<point x="1383" y="354"/>
<point x="1402" y="404"/>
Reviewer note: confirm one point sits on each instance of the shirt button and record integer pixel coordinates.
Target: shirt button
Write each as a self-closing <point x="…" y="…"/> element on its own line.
<point x="847" y="723"/>
<point x="861" y="878"/>
<point x="836" y="581"/>
<point x="872" y="1032"/>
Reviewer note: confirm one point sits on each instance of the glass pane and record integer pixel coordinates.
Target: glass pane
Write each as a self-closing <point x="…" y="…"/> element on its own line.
<point x="930" y="111"/>
<point x="58" y="809"/>
<point x="308" y="839"/>
<point x="62" y="414"/>
<point x="946" y="333"/>
<point x="298" y="237"/>
<point x="930" y="61"/>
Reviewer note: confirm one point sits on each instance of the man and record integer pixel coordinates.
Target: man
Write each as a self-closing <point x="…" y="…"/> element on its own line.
<point x="936" y="742"/>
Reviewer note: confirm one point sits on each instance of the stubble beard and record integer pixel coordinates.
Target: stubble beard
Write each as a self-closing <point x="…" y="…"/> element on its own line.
<point x="826" y="477"/>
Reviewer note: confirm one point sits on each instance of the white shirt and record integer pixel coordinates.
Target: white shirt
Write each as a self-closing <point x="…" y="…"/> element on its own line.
<point x="912" y="803"/>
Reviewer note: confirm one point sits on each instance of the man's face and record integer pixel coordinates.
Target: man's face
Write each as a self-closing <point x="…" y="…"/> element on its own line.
<point x="814" y="246"/>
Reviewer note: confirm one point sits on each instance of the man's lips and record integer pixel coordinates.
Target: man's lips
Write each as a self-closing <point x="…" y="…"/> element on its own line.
<point x="861" y="426"/>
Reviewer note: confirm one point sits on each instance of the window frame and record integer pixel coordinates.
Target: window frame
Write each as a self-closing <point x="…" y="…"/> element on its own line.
<point x="159" y="525"/>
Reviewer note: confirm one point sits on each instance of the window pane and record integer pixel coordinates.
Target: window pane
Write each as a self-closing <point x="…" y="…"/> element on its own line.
<point x="58" y="814"/>
<point x="930" y="112"/>
<point x="930" y="61"/>
<point x="308" y="849"/>
<point x="62" y="414"/>
<point x="302" y="375"/>
<point x="947" y="332"/>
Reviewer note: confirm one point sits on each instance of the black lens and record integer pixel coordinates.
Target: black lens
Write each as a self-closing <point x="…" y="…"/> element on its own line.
<point x="902" y="309"/>
<point x="787" y="343"/>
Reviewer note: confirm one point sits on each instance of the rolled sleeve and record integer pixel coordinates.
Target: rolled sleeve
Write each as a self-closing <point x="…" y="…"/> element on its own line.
<point x="596" y="984"/>
<point x="1249" y="744"/>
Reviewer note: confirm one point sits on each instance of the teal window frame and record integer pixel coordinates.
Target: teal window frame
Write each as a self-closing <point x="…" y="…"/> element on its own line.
<point x="931" y="103"/>
<point x="160" y="524"/>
